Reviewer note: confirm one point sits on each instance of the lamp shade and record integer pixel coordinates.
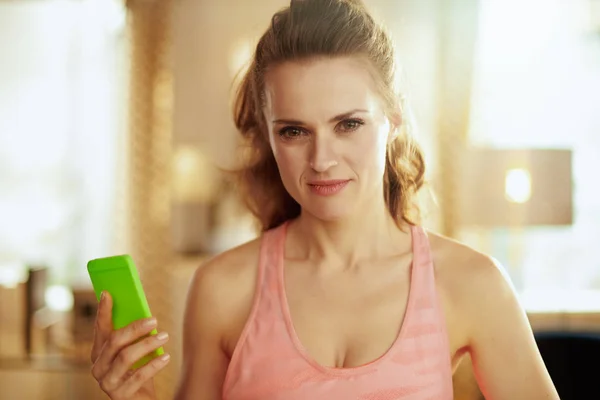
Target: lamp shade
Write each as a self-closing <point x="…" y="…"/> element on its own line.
<point x="515" y="187"/>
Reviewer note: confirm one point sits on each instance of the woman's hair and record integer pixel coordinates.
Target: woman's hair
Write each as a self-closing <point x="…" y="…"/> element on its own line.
<point x="310" y="29"/>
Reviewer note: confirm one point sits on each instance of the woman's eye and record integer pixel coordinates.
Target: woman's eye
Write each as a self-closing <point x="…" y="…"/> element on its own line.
<point x="290" y="132"/>
<point x="350" y="125"/>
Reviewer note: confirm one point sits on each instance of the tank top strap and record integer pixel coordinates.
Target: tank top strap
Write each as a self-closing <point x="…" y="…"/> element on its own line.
<point x="427" y="320"/>
<point x="265" y="326"/>
<point x="424" y="277"/>
<point x="271" y="254"/>
<point x="422" y="312"/>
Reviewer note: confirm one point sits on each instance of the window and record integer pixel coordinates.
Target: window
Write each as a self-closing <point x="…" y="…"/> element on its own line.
<point x="61" y="109"/>
<point x="537" y="85"/>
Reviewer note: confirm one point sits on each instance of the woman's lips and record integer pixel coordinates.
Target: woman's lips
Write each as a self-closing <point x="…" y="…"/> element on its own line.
<point x="327" y="187"/>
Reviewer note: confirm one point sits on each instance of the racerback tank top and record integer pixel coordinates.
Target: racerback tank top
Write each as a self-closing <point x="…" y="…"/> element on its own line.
<point x="270" y="363"/>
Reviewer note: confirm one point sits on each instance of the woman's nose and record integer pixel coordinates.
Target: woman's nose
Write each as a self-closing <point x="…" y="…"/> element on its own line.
<point x="323" y="155"/>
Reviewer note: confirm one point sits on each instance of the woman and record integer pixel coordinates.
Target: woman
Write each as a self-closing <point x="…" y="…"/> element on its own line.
<point x="343" y="296"/>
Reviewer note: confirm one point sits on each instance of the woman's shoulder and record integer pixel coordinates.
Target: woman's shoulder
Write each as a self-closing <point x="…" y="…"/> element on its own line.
<point x="222" y="288"/>
<point x="468" y="277"/>
<point x="484" y="316"/>
<point x="458" y="261"/>
<point x="236" y="264"/>
<point x="453" y="257"/>
<point x="230" y="270"/>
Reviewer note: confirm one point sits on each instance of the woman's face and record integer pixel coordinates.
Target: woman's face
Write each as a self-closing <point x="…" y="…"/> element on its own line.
<point x="329" y="133"/>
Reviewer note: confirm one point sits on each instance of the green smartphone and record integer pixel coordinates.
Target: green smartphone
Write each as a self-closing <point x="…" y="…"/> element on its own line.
<point x="119" y="277"/>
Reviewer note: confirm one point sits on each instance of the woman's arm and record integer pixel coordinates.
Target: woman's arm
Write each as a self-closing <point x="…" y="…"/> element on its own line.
<point x="218" y="304"/>
<point x="204" y="361"/>
<point x="506" y="359"/>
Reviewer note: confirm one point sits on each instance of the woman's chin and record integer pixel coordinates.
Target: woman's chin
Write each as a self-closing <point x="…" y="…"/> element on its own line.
<point x="329" y="213"/>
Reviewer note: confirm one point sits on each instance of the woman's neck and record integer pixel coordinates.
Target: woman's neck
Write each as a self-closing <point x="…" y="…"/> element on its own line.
<point x="347" y="242"/>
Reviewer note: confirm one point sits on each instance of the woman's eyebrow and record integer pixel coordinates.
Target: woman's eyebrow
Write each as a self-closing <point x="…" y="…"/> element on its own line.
<point x="337" y="118"/>
<point x="348" y="114"/>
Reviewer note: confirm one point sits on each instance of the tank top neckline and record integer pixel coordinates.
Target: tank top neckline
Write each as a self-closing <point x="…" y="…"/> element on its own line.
<point x="420" y="258"/>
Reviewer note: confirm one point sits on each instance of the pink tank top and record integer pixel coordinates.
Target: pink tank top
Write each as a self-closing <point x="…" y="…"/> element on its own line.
<point x="270" y="363"/>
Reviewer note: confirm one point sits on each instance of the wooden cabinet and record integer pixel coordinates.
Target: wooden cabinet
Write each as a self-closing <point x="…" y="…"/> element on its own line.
<point x="12" y="321"/>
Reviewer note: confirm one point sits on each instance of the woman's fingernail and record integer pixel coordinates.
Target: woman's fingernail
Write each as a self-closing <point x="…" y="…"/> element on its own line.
<point x="162" y="336"/>
<point x="165" y="357"/>
<point x="102" y="295"/>
<point x="150" y="322"/>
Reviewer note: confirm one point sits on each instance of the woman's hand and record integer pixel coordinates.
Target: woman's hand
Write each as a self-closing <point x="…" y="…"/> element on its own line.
<point x="115" y="351"/>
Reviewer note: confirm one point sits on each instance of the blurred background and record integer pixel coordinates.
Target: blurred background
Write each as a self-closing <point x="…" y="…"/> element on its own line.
<point x="115" y="122"/>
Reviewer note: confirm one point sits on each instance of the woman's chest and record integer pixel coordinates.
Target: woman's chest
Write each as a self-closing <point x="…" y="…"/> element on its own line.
<point x="346" y="323"/>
